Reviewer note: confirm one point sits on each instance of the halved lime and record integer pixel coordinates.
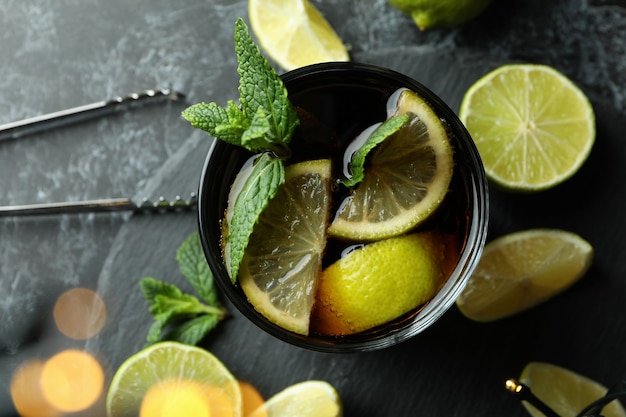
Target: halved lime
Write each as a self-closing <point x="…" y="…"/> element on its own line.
<point x="533" y="127"/>
<point x="176" y="380"/>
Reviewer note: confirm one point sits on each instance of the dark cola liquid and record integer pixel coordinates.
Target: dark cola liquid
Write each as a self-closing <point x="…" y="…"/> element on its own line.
<point x="331" y="117"/>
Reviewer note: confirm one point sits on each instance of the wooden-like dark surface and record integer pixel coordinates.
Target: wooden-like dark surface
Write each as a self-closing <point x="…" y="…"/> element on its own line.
<point x="66" y="53"/>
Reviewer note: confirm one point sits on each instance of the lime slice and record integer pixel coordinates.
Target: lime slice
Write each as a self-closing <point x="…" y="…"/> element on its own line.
<point x="378" y="283"/>
<point x="305" y="399"/>
<point x="565" y="392"/>
<point x="407" y="178"/>
<point x="294" y="33"/>
<point x="523" y="269"/>
<point x="283" y="259"/>
<point x="533" y="127"/>
<point x="173" y="379"/>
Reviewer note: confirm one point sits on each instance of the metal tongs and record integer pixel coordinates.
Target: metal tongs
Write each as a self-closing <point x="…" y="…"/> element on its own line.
<point x="19" y="129"/>
<point x="32" y="125"/>
<point x="101" y="205"/>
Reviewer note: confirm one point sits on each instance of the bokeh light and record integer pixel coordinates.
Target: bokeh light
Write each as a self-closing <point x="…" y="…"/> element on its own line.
<point x="183" y="398"/>
<point x="252" y="399"/>
<point x="72" y="380"/>
<point x="79" y="313"/>
<point x="26" y="392"/>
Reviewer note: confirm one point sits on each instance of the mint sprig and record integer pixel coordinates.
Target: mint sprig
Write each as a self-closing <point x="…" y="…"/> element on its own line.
<point x="265" y="120"/>
<point x="382" y="132"/>
<point x="262" y="93"/>
<point x="183" y="317"/>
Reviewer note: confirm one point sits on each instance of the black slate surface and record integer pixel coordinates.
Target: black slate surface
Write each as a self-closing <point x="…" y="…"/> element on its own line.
<point x="65" y="53"/>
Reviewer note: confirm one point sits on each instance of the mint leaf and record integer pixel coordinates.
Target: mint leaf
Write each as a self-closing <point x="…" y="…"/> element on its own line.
<point x="160" y="321"/>
<point x="151" y="288"/>
<point x="256" y="135"/>
<point x="382" y="132"/>
<point x="268" y="174"/>
<point x="227" y="124"/>
<point x="179" y="316"/>
<point x="193" y="331"/>
<point x="206" y="116"/>
<point x="194" y="267"/>
<point x="266" y="120"/>
<point x="261" y="87"/>
<point x="158" y="293"/>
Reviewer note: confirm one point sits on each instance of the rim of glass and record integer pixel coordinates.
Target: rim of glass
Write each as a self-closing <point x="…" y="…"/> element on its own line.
<point x="220" y="163"/>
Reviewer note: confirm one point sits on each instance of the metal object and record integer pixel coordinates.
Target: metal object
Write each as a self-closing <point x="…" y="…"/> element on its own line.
<point x="15" y="130"/>
<point x="525" y="394"/>
<point x="592" y="410"/>
<point x="78" y="114"/>
<point x="101" y="205"/>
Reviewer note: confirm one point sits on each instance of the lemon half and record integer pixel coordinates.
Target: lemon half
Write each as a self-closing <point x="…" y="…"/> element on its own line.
<point x="379" y="282"/>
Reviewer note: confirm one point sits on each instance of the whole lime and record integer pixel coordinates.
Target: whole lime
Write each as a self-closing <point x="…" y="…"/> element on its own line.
<point x="429" y="14"/>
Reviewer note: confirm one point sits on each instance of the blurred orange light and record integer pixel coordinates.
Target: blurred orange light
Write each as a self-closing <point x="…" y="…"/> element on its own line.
<point x="79" y="313"/>
<point x="72" y="380"/>
<point x="183" y="398"/>
<point x="252" y="399"/>
<point x="26" y="392"/>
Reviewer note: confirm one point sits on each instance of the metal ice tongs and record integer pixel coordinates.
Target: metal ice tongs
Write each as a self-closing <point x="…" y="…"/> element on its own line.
<point x="101" y="205"/>
<point x="15" y="130"/>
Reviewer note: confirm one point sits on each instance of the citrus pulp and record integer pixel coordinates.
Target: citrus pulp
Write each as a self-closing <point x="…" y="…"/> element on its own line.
<point x="283" y="258"/>
<point x="523" y="269"/>
<point x="533" y="127"/>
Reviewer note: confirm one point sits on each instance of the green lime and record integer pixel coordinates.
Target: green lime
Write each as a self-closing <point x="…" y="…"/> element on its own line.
<point x="175" y="380"/>
<point x="533" y="127"/>
<point x="429" y="14"/>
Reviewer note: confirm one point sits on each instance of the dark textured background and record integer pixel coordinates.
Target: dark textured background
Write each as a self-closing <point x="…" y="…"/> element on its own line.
<point x="64" y="53"/>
